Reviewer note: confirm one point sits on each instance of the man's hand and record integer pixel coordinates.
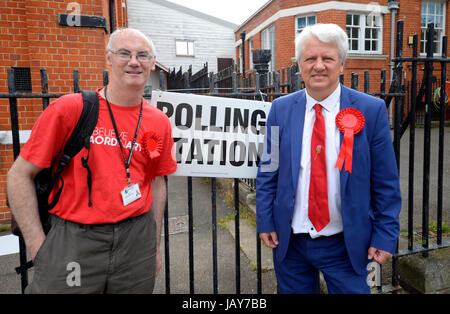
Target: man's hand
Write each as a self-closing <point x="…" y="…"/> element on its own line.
<point x="270" y="239"/>
<point x="378" y="255"/>
<point x="35" y="245"/>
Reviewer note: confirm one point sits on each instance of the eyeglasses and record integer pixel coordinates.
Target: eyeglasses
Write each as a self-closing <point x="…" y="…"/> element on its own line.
<point x="126" y="55"/>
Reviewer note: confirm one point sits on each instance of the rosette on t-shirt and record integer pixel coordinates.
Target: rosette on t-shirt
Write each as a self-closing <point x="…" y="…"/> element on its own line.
<point x="350" y="121"/>
<point x="152" y="145"/>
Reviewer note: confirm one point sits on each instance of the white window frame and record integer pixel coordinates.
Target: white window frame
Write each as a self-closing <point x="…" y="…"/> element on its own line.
<point x="439" y="31"/>
<point x="307" y="18"/>
<point x="361" y="34"/>
<point x="190" y="48"/>
<point x="268" y="42"/>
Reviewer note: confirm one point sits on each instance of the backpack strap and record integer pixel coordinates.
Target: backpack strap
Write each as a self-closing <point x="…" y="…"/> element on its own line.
<point x="90" y="100"/>
<point x="79" y="138"/>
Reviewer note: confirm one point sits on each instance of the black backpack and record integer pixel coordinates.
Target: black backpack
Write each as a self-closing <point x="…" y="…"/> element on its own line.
<point x="79" y="138"/>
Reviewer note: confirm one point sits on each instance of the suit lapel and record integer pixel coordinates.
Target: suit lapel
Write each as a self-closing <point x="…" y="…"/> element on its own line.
<point x="344" y="103"/>
<point x="297" y="120"/>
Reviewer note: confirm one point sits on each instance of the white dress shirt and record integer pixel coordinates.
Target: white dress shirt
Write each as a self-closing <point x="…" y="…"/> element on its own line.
<point x="300" y="220"/>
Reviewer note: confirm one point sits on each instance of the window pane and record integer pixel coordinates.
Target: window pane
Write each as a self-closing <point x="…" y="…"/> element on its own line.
<point x="311" y="20"/>
<point x="301" y="22"/>
<point x="374" y="34"/>
<point x="438" y="22"/>
<point x="431" y="8"/>
<point x="181" y="48"/>
<point x="190" y="48"/>
<point x="423" y="21"/>
<point x="374" y="45"/>
<point x="376" y="21"/>
<point x="349" y="19"/>
<point x="367" y="33"/>
<point x="367" y="45"/>
<point x="354" y="33"/>
<point x="354" y="45"/>
<point x="355" y="19"/>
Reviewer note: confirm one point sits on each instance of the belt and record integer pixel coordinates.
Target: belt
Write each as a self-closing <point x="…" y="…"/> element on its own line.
<point x="106" y="227"/>
<point x="308" y="236"/>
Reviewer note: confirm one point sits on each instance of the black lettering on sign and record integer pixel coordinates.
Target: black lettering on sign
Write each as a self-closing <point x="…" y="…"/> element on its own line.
<point x="161" y="105"/>
<point x="187" y="109"/>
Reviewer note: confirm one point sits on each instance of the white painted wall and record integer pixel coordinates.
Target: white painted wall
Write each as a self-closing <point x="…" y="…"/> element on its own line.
<point x="164" y="22"/>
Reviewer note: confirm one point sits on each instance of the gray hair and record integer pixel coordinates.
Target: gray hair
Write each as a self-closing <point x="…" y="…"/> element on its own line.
<point x="117" y="31"/>
<point x="327" y="33"/>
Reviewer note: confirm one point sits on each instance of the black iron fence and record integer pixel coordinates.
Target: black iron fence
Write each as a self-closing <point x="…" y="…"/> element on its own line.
<point x="407" y="98"/>
<point x="267" y="86"/>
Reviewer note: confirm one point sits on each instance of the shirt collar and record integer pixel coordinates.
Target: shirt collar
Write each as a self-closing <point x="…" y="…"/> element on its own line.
<point x="328" y="103"/>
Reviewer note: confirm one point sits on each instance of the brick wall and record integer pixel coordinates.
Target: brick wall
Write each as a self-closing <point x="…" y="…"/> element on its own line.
<point x="31" y="37"/>
<point x="410" y="12"/>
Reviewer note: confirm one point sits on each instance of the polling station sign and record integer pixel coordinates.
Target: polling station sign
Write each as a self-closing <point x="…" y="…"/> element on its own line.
<point x="215" y="136"/>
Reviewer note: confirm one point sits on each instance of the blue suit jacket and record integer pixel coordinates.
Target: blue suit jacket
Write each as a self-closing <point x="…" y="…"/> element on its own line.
<point x="370" y="195"/>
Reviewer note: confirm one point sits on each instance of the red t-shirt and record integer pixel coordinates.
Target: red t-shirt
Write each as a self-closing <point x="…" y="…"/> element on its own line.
<point x="53" y="129"/>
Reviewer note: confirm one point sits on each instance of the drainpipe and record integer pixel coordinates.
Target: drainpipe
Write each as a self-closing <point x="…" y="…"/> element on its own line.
<point x="393" y="6"/>
<point x="243" y="53"/>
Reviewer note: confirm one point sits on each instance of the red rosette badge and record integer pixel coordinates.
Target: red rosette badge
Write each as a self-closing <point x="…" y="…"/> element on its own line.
<point x="152" y="145"/>
<point x="350" y="121"/>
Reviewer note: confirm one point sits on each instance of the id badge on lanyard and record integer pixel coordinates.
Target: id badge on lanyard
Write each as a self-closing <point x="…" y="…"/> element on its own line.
<point x="131" y="192"/>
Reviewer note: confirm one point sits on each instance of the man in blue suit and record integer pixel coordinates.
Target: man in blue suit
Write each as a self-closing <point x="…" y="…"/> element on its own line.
<point x="315" y="212"/>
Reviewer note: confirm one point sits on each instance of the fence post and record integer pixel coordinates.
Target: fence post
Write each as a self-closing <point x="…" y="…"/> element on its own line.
<point x="412" y="135"/>
<point x="76" y="81"/>
<point x="261" y="60"/>
<point x="16" y="150"/>
<point x="427" y="136"/>
<point x="441" y="140"/>
<point x="397" y="125"/>
<point x="44" y="87"/>
<point x="366" y="82"/>
<point x="105" y="78"/>
<point x="354" y="83"/>
<point x="243" y="54"/>
<point x="383" y="84"/>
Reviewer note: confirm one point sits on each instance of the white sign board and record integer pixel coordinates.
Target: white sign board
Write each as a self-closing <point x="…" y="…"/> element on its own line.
<point x="215" y="136"/>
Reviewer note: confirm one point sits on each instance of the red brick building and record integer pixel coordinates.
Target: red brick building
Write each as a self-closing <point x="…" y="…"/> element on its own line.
<point x="59" y="36"/>
<point x="368" y="24"/>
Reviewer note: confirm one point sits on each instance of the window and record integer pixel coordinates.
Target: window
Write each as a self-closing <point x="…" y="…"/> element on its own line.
<point x="432" y="12"/>
<point x="304" y="21"/>
<point x="364" y="33"/>
<point x="184" y="48"/>
<point x="268" y="42"/>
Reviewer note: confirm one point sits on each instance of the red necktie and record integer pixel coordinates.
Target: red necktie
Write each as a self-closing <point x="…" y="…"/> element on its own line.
<point x="318" y="212"/>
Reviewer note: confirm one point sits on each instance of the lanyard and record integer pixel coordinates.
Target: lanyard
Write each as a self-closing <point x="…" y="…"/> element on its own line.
<point x="126" y="163"/>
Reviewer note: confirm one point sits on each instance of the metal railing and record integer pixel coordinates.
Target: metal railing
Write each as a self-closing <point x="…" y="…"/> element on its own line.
<point x="267" y="86"/>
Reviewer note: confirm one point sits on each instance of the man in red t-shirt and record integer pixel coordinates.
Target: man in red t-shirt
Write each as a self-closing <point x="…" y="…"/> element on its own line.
<point x="110" y="245"/>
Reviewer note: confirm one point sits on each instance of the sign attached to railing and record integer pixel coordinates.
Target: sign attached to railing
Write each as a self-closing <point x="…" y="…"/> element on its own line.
<point x="215" y="136"/>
